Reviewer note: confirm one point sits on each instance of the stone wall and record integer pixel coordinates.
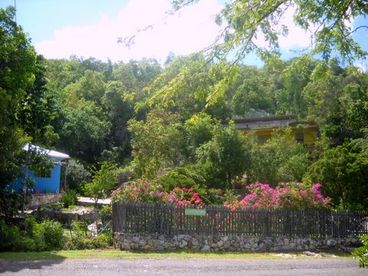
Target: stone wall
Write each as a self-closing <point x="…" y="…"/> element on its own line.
<point x="227" y="243"/>
<point x="42" y="199"/>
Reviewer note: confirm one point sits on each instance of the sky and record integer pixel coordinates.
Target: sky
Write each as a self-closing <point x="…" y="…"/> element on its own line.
<point x="102" y="29"/>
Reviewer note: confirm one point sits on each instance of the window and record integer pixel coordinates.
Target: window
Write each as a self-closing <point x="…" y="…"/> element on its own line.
<point x="299" y="137"/>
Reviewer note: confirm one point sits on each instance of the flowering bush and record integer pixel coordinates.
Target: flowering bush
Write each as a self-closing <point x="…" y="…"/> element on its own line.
<point x="145" y="191"/>
<point x="139" y="191"/>
<point x="289" y="195"/>
<point x="183" y="197"/>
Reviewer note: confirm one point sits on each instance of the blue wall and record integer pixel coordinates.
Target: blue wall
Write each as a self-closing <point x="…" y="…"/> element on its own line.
<point x="42" y="184"/>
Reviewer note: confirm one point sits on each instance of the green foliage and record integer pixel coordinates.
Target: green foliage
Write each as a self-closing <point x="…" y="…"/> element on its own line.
<point x="223" y="158"/>
<point x="343" y="172"/>
<point x="245" y="21"/>
<point x="48" y="235"/>
<point x="17" y="66"/>
<point x="362" y="252"/>
<point x="69" y="198"/>
<point x="76" y="175"/>
<point x="198" y="130"/>
<point x="10" y="237"/>
<point x="183" y="177"/>
<point x="157" y="143"/>
<point x="81" y="239"/>
<point x="106" y="210"/>
<point x="44" y="236"/>
<point x="279" y="159"/>
<point x="103" y="181"/>
<point x="83" y="130"/>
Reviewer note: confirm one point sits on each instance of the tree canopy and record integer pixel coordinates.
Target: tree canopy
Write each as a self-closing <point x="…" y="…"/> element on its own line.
<point x="256" y="25"/>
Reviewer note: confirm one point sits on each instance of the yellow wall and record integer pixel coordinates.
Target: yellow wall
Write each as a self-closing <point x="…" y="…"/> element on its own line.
<point x="310" y="134"/>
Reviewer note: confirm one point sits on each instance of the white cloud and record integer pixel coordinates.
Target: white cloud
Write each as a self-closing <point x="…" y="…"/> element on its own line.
<point x="296" y="37"/>
<point x="187" y="31"/>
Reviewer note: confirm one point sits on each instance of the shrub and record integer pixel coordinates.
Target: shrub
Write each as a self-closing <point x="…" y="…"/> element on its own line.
<point x="287" y="196"/>
<point x="145" y="191"/>
<point x="102" y="240"/>
<point x="183" y="197"/>
<point x="281" y="158"/>
<point x="183" y="177"/>
<point x="80" y="238"/>
<point x="362" y="252"/>
<point x="10" y="237"/>
<point x="77" y="175"/>
<point x="106" y="210"/>
<point x="48" y="235"/>
<point x="141" y="190"/>
<point x="103" y="181"/>
<point x="69" y="198"/>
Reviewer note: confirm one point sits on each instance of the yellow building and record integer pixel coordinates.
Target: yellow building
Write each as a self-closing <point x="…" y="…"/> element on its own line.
<point x="262" y="127"/>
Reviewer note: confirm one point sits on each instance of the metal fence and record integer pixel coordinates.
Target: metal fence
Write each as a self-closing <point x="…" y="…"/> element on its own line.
<point x="170" y="220"/>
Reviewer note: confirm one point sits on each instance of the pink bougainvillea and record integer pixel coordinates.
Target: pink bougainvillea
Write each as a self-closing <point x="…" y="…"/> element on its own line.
<point x="289" y="195"/>
<point x="183" y="197"/>
<point x="261" y="195"/>
<point x="145" y="191"/>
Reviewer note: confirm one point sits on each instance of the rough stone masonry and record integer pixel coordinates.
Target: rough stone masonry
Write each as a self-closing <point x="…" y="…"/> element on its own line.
<point x="157" y="242"/>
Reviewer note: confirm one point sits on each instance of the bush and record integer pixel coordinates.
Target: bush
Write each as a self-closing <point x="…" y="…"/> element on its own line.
<point x="77" y="175"/>
<point x="69" y="198"/>
<point x="362" y="252"/>
<point x="281" y="158"/>
<point x="10" y="237"/>
<point x="48" y="235"/>
<point x="183" y="177"/>
<point x="145" y="191"/>
<point x="106" y="210"/>
<point x="80" y="238"/>
<point x="285" y="196"/>
<point x="141" y="190"/>
<point x="103" y="240"/>
<point x="102" y="182"/>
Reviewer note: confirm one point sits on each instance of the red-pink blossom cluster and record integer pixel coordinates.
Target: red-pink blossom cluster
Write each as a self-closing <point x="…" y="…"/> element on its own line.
<point x="183" y="197"/>
<point x="144" y="191"/>
<point x="291" y="196"/>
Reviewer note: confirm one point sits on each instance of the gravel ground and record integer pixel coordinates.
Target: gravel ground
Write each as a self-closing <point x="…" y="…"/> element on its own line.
<point x="172" y="267"/>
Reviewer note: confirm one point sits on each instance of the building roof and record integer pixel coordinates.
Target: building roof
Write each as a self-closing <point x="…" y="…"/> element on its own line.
<point x="268" y="122"/>
<point x="50" y="153"/>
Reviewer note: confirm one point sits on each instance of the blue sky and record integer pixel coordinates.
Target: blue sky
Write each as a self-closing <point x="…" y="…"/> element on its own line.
<point x="61" y="28"/>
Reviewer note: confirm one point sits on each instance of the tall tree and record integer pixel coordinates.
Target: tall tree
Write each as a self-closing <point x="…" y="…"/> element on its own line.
<point x="17" y="67"/>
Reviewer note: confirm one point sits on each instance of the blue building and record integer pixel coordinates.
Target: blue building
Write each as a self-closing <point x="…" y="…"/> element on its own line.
<point x="49" y="183"/>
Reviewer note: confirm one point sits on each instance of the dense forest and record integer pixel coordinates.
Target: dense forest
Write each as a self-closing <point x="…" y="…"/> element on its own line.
<point x="171" y="124"/>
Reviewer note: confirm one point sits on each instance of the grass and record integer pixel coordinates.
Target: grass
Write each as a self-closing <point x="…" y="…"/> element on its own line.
<point x="117" y="254"/>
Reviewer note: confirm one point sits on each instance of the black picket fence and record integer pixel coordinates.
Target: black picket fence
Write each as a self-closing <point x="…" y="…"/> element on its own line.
<point x="220" y="221"/>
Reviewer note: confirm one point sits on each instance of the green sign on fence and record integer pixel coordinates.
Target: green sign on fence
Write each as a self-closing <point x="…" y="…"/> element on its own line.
<point x="195" y="212"/>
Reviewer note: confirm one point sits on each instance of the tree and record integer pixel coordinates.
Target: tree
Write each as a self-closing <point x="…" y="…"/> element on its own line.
<point x="38" y="109"/>
<point x="17" y="67"/>
<point x="280" y="159"/>
<point x="343" y="173"/>
<point x="191" y="85"/>
<point x="198" y="130"/>
<point x="103" y="181"/>
<point x="223" y="158"/>
<point x="83" y="130"/>
<point x="157" y="143"/>
<point x="245" y="21"/>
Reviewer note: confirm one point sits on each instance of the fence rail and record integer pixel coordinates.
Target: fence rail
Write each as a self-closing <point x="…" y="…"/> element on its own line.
<point x="170" y="220"/>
